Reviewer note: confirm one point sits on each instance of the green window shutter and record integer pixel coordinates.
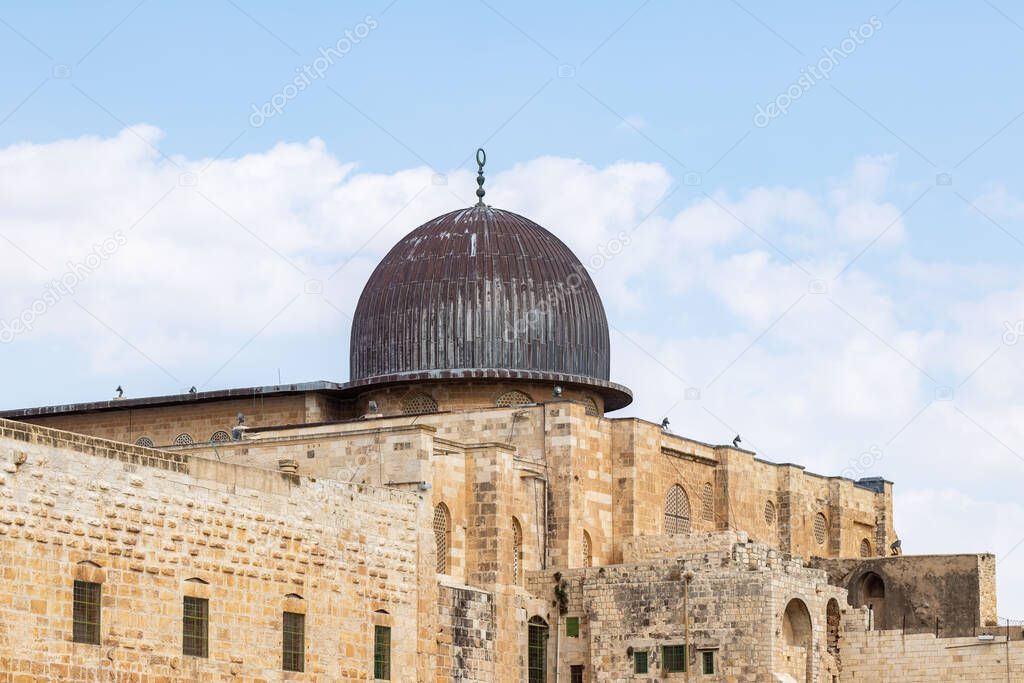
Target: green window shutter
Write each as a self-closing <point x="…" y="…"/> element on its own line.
<point x="640" y="662"/>
<point x="708" y="661"/>
<point x="673" y="658"/>
<point x="572" y="627"/>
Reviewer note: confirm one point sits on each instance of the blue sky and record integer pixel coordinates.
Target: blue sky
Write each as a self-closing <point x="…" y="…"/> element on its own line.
<point x="841" y="279"/>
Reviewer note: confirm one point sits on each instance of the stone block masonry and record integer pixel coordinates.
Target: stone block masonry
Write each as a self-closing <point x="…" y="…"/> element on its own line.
<point x="152" y="527"/>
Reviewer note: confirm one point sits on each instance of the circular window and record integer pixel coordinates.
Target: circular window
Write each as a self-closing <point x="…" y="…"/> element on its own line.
<point x="183" y="440"/>
<point x="865" y="548"/>
<point x="820" y="528"/>
<point x="769" y="513"/>
<point x="144" y="441"/>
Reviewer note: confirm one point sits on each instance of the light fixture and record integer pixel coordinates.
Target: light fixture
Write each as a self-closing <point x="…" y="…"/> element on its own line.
<point x="557" y="391"/>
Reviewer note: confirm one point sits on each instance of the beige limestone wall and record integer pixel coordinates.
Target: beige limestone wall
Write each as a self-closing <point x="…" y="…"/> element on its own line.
<point x="144" y="522"/>
<point x="892" y="657"/>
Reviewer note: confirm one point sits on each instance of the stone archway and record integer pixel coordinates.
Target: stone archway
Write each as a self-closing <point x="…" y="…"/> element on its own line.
<point x="796" y="645"/>
<point x="872" y="595"/>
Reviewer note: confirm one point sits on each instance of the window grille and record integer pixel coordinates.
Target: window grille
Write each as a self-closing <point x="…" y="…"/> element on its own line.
<point x="382" y="653"/>
<point x="591" y="407"/>
<point x="640" y="661"/>
<point x="220" y="435"/>
<point x="144" y="441"/>
<point x="418" y="404"/>
<point x="195" y="627"/>
<point x="86" y="613"/>
<point x="537" y="651"/>
<point x="588" y="551"/>
<point x="183" y="440"/>
<point x="513" y="398"/>
<point x="576" y="673"/>
<point x="677" y="511"/>
<point x="673" y="658"/>
<point x="293" y="646"/>
<point x="442" y="525"/>
<point x="517" y="550"/>
<point x="707" y="500"/>
<point x="865" y="548"/>
<point x="769" y="513"/>
<point x="707" y="661"/>
<point x="820" y="528"/>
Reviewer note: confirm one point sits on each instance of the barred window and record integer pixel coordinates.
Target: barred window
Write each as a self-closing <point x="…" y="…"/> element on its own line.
<point x="513" y="398"/>
<point x="591" y="407"/>
<point x="86" y="613"/>
<point x="707" y="658"/>
<point x="442" y="528"/>
<point x="293" y="646"/>
<point x="673" y="658"/>
<point x="576" y="673"/>
<point x="865" y="548"/>
<point x="588" y="551"/>
<point x="820" y="528"/>
<point x="418" y="404"/>
<point x="382" y="653"/>
<point x="517" y="550"/>
<point x="195" y="627"/>
<point x="677" y="511"/>
<point x="537" y="651"/>
<point x="144" y="441"/>
<point x="183" y="440"/>
<point x="769" y="513"/>
<point x="707" y="502"/>
<point x="640" y="661"/>
<point x="220" y="435"/>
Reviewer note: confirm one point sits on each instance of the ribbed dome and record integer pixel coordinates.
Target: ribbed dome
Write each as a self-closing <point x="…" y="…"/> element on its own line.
<point x="482" y="292"/>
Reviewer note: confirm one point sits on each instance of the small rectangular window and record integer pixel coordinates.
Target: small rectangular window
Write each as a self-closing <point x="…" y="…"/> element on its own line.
<point x="640" y="661"/>
<point x="294" y="642"/>
<point x="195" y="625"/>
<point x="86" y="613"/>
<point x="572" y="627"/>
<point x="673" y="658"/>
<point x="382" y="653"/>
<point x="707" y="658"/>
<point x="576" y="673"/>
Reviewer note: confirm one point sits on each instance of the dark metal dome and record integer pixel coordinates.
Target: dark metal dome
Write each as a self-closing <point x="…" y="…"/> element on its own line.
<point x="482" y="293"/>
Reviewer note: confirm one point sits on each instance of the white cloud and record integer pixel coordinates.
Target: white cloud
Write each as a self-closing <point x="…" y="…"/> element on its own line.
<point x="733" y="293"/>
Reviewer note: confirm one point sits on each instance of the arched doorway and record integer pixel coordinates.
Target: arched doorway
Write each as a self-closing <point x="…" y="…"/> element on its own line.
<point x="537" y="650"/>
<point x="872" y="594"/>
<point x="797" y="637"/>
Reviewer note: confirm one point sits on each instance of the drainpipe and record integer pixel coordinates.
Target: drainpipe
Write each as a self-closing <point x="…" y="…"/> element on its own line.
<point x="686" y="621"/>
<point x="558" y="643"/>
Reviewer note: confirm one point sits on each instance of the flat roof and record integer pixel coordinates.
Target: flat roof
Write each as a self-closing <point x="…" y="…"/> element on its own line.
<point x="172" y="399"/>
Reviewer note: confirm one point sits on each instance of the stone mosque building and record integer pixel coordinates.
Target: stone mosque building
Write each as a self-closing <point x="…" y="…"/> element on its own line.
<point x="467" y="507"/>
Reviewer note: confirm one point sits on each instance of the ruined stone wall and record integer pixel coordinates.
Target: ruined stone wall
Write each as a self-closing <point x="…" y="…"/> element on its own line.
<point x="144" y="522"/>
<point x="894" y="657"/>
<point x="950" y="595"/>
<point x="730" y="601"/>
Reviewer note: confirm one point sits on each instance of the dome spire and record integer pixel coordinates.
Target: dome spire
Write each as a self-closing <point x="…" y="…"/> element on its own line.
<point x="481" y="159"/>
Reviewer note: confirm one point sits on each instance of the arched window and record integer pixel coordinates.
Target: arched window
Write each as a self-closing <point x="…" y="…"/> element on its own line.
<point x="144" y="441"/>
<point x="707" y="502"/>
<point x="769" y="513"/>
<point x="588" y="551"/>
<point x="871" y="592"/>
<point x="537" y="650"/>
<point x="820" y="529"/>
<point x="220" y="435"/>
<point x="517" y="550"/>
<point x="183" y="440"/>
<point x="418" y="404"/>
<point x="512" y="398"/>
<point x="865" y="547"/>
<point x="591" y="407"/>
<point x="442" y="529"/>
<point x="677" y="511"/>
